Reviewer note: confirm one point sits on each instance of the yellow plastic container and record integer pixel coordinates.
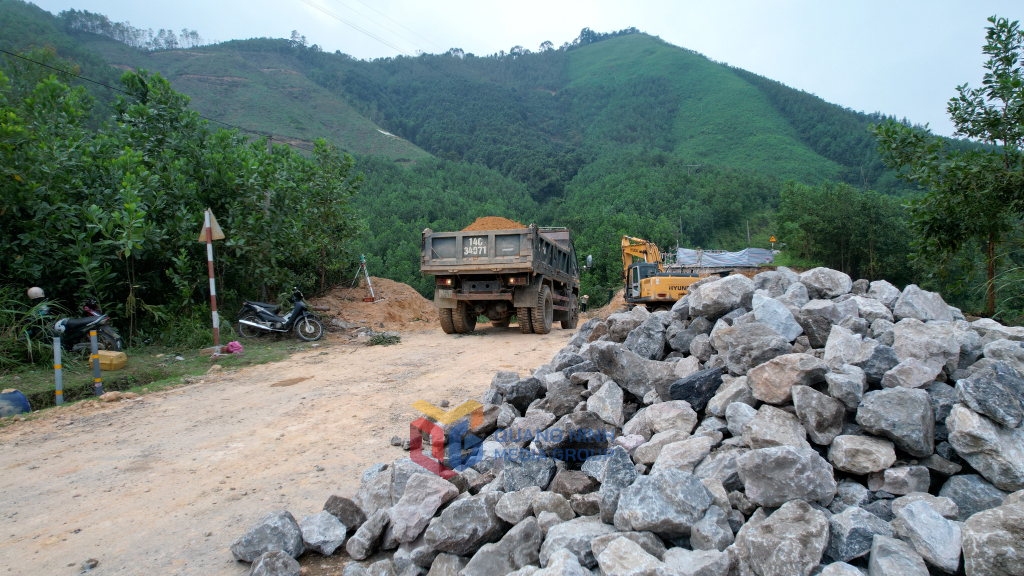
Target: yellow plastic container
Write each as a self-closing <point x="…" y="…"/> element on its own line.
<point x="110" y="360"/>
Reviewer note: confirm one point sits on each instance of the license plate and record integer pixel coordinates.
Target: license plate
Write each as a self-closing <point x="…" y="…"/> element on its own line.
<point x="445" y="293"/>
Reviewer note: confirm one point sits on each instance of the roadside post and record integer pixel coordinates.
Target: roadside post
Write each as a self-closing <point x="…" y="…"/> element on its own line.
<point x="97" y="378"/>
<point x="772" y="240"/>
<point x="211" y="231"/>
<point x="58" y="371"/>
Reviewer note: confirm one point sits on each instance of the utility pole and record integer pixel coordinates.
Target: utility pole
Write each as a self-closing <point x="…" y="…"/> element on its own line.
<point x="748" y="233"/>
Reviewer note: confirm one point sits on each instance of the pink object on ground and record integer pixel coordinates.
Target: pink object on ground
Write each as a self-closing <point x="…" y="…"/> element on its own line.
<point x="234" y="347"/>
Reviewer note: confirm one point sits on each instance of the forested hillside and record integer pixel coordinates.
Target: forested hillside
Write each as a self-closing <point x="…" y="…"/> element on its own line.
<point x="611" y="134"/>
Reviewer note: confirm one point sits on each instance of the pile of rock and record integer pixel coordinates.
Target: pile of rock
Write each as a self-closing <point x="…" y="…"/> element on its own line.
<point x="789" y="424"/>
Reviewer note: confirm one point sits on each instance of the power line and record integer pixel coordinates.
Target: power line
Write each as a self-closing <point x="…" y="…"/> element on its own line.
<point x="396" y="22"/>
<point x="340" y="19"/>
<point x="105" y="85"/>
<point x="383" y="26"/>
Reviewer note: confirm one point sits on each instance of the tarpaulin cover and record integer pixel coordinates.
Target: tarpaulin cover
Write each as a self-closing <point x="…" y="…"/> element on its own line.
<point x="749" y="257"/>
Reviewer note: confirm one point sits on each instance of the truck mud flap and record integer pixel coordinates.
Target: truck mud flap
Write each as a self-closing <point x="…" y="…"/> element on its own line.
<point x="526" y="297"/>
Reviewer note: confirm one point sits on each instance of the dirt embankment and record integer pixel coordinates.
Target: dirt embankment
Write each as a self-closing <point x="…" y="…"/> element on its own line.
<point x="398" y="305"/>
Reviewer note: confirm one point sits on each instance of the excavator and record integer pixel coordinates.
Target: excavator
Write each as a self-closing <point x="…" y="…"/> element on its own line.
<point x="647" y="283"/>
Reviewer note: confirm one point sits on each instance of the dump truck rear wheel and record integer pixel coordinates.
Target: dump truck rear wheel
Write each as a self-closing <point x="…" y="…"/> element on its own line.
<point x="574" y="315"/>
<point x="445" y="316"/>
<point x="464" y="318"/>
<point x="523" y="316"/>
<point x="544" y="313"/>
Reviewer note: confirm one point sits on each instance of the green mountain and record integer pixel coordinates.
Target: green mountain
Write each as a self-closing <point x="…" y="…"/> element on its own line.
<point x="618" y="133"/>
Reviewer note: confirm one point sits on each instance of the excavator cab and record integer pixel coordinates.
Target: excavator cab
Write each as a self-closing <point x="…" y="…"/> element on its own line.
<point x="638" y="273"/>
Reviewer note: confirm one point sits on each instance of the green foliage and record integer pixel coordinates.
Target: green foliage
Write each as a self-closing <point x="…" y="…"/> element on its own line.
<point x="384" y="340"/>
<point x="115" y="213"/>
<point x="18" y="323"/>
<point x="974" y="195"/>
<point x="861" y="233"/>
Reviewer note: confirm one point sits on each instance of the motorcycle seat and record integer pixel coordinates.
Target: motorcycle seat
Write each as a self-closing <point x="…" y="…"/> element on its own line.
<point x="79" y="323"/>
<point x="264" y="305"/>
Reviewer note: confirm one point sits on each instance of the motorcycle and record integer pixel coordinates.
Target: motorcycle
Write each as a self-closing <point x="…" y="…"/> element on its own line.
<point x="258" y="318"/>
<point x="74" y="332"/>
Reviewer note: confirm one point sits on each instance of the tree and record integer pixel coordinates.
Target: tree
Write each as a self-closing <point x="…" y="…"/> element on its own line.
<point x="972" y="194"/>
<point x="545" y="46"/>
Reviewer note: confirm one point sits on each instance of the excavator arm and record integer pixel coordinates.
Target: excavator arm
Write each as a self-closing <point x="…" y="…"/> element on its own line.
<point x="642" y="249"/>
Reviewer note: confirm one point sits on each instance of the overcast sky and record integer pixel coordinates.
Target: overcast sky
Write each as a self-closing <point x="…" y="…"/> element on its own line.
<point x="904" y="57"/>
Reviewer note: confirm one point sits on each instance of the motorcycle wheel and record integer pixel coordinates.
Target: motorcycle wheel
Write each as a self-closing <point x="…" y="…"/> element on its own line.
<point x="108" y="339"/>
<point x="309" y="329"/>
<point x="247" y="331"/>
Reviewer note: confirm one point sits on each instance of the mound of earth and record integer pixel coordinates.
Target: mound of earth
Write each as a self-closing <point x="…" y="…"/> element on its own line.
<point x="401" y="304"/>
<point x="493" y="223"/>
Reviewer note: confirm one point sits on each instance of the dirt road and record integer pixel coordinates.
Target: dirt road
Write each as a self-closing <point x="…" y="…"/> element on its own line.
<point x="165" y="483"/>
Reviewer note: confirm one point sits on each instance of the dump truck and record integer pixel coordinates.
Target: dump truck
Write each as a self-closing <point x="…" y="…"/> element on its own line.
<point x="530" y="273"/>
<point x="647" y="282"/>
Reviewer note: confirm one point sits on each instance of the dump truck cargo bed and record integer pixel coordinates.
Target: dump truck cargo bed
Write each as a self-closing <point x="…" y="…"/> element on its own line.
<point x="501" y="273"/>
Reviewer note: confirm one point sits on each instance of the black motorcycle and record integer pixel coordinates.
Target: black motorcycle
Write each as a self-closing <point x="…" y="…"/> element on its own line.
<point x="258" y="318"/>
<point x="74" y="332"/>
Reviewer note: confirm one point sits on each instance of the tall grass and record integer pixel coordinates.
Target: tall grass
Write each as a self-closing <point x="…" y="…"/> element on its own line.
<point x="22" y="330"/>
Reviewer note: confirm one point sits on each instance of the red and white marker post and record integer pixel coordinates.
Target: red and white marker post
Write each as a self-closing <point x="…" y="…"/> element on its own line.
<point x="211" y="232"/>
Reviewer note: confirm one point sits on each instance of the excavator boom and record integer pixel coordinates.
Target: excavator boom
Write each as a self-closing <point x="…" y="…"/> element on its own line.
<point x="647" y="283"/>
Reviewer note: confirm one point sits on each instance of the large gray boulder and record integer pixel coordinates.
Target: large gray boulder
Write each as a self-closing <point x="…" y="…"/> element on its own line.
<point x="722" y="465"/>
<point x="795" y="296"/>
<point x="902" y="415"/>
<point x="1007" y="351"/>
<point x="993" y="541"/>
<point x="900" y="480"/>
<point x="996" y="452"/>
<point x="931" y="343"/>
<point x="823" y="417"/>
<point x="773" y="381"/>
<point x="630" y="371"/>
<point x="667" y="502"/>
<point x="946" y="507"/>
<point x="275" y="563"/>
<point x="773" y="426"/>
<point x="646" y="540"/>
<point x="774" y="476"/>
<point x="672" y="415"/>
<point x="374" y="493"/>
<point x="790" y="542"/>
<point x="424" y="495"/>
<point x="648" y="339"/>
<point x="826" y="283"/>
<point x="891" y="557"/>
<point x="842" y="347"/>
<point x="875" y="359"/>
<point x="683" y="455"/>
<point x="861" y="454"/>
<point x="582" y="333"/>
<point x="735" y="390"/>
<point x="871" y="309"/>
<point x="518" y="548"/>
<point x="852" y="532"/>
<point x="885" y="293"/>
<point x="748" y="345"/>
<point x="716" y="298"/>
<point x="911" y="373"/>
<point x="616" y="472"/>
<point x="575" y="437"/>
<point x="776" y="315"/>
<point x="935" y="538"/>
<point x="520" y="392"/>
<point x="275" y="531"/>
<point x="365" y="541"/>
<point x="921" y="305"/>
<point x="712" y="532"/>
<point x="466" y="524"/>
<point x="972" y="494"/>
<point x="997" y="392"/>
<point x="574" y="536"/>
<point x="322" y="532"/>
<point x="528" y="470"/>
<point x="514" y="507"/>
<point x="623" y="557"/>
<point x="683" y="562"/>
<point x="606" y="402"/>
<point x="772" y="281"/>
<point x="847" y="383"/>
<point x="621" y="324"/>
